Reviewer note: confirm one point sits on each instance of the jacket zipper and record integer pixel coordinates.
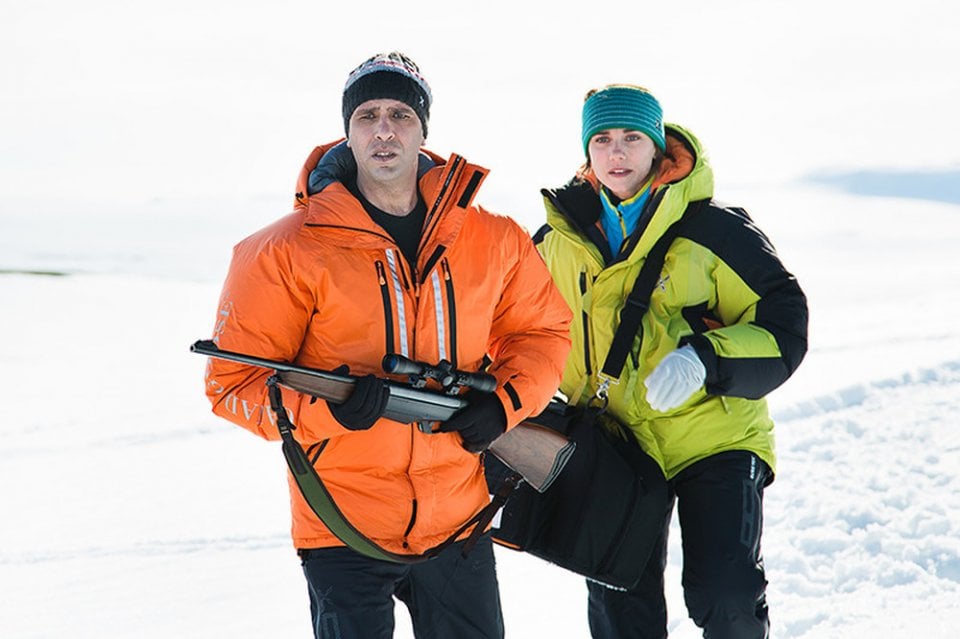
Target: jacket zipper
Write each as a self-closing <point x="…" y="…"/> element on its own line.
<point x="313" y="452"/>
<point x="413" y="520"/>
<point x="649" y="209"/>
<point x="429" y="222"/>
<point x="451" y="311"/>
<point x="387" y="310"/>
<point x="399" y="280"/>
<point x="410" y="283"/>
<point x="585" y="322"/>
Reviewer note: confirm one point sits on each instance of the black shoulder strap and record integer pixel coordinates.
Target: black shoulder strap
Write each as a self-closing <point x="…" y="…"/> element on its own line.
<point x="638" y="301"/>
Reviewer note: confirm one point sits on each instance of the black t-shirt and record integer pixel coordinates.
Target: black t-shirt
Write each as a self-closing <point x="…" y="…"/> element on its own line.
<point x="405" y="230"/>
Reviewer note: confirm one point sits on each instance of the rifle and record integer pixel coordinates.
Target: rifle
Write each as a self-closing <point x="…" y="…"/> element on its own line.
<point x="535" y="452"/>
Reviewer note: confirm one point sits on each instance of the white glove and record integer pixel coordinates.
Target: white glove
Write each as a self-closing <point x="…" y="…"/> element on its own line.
<point x="678" y="376"/>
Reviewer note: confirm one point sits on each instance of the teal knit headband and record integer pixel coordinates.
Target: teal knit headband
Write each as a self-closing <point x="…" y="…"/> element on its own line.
<point x="623" y="107"/>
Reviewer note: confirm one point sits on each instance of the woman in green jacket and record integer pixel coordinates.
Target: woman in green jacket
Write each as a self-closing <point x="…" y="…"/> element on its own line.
<point x="726" y="324"/>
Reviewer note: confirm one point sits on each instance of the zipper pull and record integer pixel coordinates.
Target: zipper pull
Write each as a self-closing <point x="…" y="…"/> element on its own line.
<point x="381" y="273"/>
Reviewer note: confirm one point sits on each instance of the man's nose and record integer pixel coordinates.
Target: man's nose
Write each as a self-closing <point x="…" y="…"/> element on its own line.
<point x="384" y="129"/>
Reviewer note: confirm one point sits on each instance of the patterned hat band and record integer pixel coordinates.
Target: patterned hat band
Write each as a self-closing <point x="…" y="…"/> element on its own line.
<point x="623" y="107"/>
<point x="391" y="76"/>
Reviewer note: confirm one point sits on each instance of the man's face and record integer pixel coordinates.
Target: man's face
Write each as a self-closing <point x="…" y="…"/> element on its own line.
<point x="385" y="137"/>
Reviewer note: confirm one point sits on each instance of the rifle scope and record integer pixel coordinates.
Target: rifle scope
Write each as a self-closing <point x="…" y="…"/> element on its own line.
<point x="444" y="373"/>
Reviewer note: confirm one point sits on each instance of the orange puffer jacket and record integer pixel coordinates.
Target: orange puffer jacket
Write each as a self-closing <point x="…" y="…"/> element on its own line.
<point x="326" y="286"/>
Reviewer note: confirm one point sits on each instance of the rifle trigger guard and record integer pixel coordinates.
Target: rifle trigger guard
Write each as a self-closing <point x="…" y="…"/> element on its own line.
<point x="425" y="427"/>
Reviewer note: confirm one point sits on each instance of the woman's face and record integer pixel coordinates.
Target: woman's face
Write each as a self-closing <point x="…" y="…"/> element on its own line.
<point x="621" y="159"/>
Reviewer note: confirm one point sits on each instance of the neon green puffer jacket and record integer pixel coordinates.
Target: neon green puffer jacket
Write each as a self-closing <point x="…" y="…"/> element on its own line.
<point x="722" y="290"/>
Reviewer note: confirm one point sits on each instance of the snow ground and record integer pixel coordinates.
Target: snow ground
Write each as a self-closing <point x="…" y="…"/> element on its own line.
<point x="131" y="511"/>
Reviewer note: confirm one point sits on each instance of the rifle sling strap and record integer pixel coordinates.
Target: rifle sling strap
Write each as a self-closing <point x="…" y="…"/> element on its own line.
<point x="321" y="502"/>
<point x="638" y="301"/>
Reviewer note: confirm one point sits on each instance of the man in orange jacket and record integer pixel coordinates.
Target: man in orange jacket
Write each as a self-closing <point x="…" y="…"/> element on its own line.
<point x="384" y="253"/>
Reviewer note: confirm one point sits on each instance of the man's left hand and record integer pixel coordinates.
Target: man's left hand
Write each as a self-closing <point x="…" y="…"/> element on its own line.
<point x="480" y="422"/>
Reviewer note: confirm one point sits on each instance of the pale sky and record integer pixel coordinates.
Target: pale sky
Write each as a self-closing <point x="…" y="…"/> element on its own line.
<point x="113" y="105"/>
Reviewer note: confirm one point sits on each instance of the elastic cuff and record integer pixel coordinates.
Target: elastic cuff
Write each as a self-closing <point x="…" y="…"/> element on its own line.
<point x="708" y="356"/>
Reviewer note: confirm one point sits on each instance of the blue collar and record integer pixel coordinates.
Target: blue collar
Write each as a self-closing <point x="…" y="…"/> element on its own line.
<point x="620" y="220"/>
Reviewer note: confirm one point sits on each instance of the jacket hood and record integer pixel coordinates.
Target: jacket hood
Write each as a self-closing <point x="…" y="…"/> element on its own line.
<point x="684" y="163"/>
<point x="685" y="176"/>
<point x="447" y="186"/>
<point x="334" y="162"/>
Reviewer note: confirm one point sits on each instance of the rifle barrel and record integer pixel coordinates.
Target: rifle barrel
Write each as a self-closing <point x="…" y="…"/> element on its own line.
<point x="404" y="405"/>
<point x="208" y="348"/>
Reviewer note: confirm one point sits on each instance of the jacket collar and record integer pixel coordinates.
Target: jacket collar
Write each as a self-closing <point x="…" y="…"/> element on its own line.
<point x="337" y="164"/>
<point x="447" y="186"/>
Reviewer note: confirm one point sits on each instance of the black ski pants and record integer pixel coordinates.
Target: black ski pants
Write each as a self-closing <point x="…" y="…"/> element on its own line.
<point x="719" y="501"/>
<point x="351" y="596"/>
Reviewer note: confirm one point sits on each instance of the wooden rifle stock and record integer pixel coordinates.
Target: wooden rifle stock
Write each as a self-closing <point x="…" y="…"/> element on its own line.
<point x="534" y="451"/>
<point x="317" y="387"/>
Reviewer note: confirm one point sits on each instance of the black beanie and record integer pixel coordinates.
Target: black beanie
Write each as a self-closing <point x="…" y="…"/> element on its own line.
<point x="391" y="76"/>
